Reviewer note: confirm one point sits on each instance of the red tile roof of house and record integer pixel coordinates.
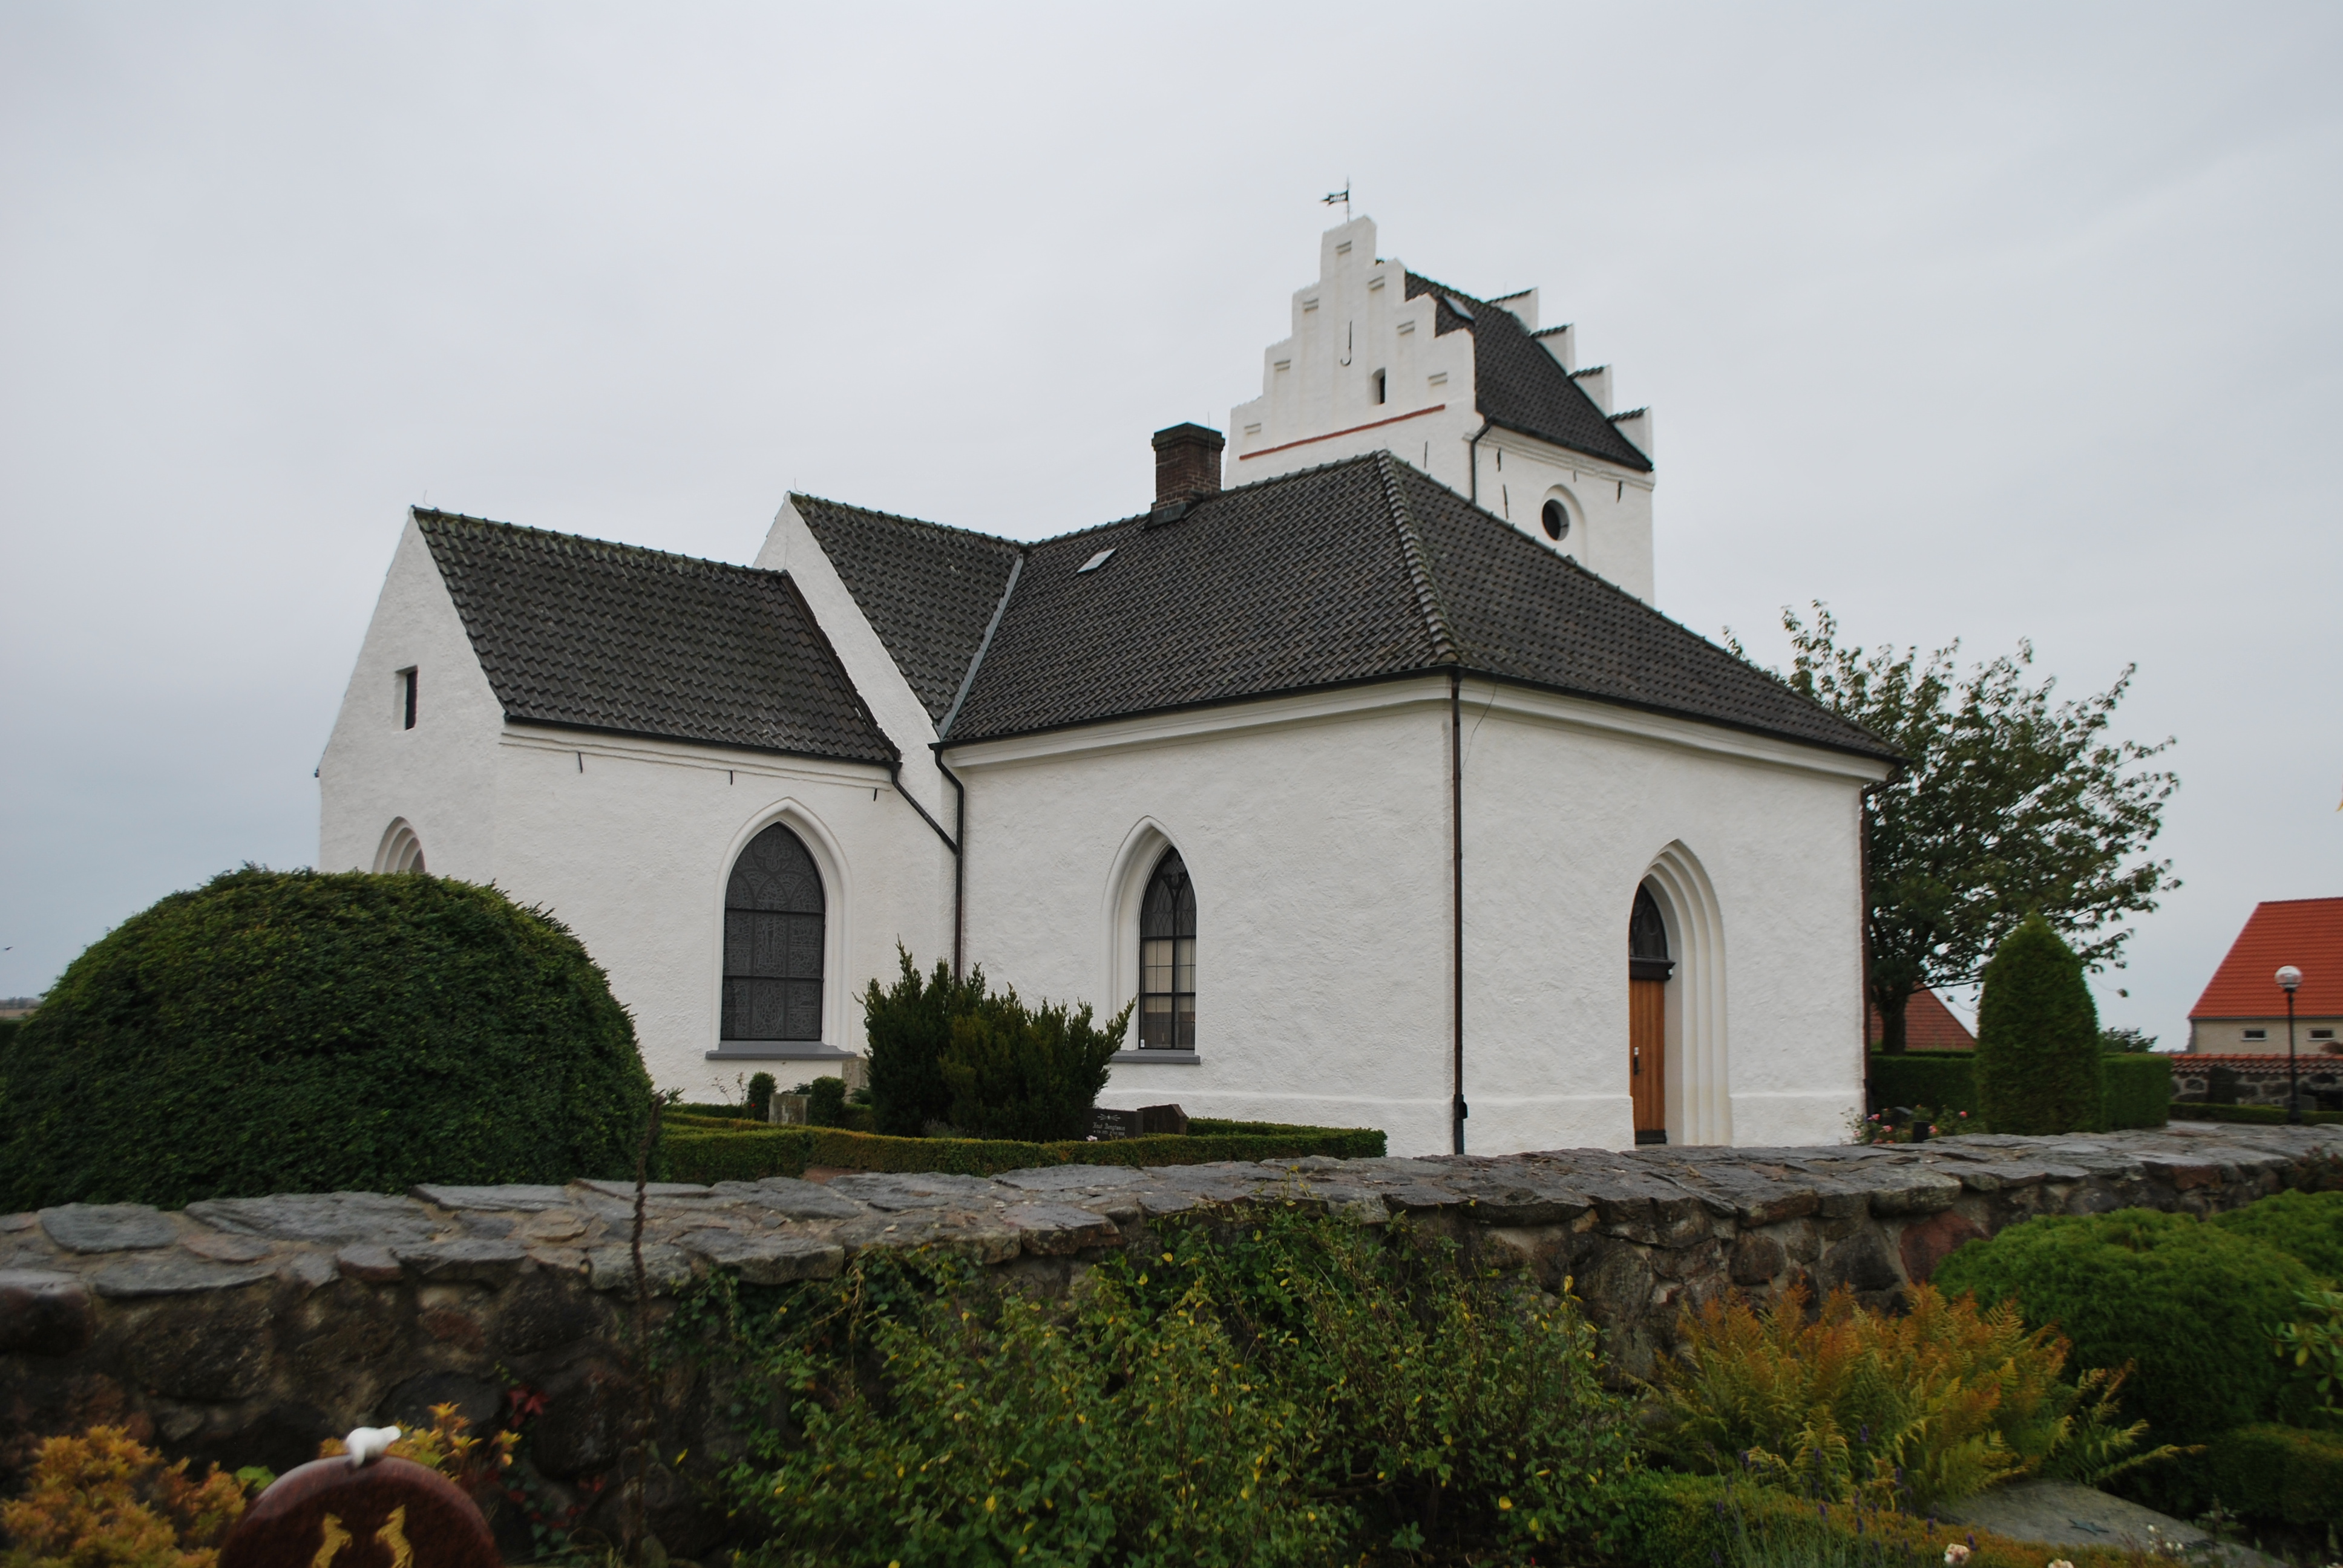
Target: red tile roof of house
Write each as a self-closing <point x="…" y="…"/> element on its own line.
<point x="1928" y="1025"/>
<point x="2305" y="932"/>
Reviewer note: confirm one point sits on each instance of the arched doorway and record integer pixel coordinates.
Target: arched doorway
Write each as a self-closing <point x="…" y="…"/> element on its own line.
<point x="1648" y="968"/>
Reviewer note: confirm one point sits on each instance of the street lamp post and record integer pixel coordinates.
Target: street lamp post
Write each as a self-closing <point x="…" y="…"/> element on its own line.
<point x="2288" y="979"/>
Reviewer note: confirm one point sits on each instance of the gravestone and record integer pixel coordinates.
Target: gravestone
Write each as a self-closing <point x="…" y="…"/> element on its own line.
<point x="340" y="1514"/>
<point x="1147" y="1122"/>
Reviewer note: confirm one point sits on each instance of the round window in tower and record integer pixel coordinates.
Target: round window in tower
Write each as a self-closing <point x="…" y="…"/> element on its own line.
<point x="1557" y="520"/>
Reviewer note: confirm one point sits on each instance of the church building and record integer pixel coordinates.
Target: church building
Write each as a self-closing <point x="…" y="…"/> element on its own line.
<point x="1359" y="759"/>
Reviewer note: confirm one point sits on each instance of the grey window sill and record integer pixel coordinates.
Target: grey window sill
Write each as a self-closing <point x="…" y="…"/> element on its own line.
<point x="777" y="1050"/>
<point x="1161" y="1057"/>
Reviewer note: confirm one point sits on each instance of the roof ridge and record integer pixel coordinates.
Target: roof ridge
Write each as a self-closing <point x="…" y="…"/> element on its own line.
<point x="1444" y="650"/>
<point x="797" y="496"/>
<point x="673" y="559"/>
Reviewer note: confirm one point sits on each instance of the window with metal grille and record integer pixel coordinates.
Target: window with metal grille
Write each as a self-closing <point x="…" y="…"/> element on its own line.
<point x="773" y="911"/>
<point x="1167" y="959"/>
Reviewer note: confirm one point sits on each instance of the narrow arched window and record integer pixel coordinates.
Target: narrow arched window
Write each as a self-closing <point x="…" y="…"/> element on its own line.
<point x="1647" y="940"/>
<point x="773" y="911"/>
<point x="1167" y="959"/>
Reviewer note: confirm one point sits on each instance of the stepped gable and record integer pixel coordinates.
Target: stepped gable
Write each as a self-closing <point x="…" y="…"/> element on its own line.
<point x="1519" y="386"/>
<point x="927" y="591"/>
<point x="589" y="635"/>
<point x="1359" y="570"/>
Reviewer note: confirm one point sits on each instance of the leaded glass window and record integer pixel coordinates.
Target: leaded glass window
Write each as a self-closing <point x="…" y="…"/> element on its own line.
<point x="1647" y="940"/>
<point x="1167" y="959"/>
<point x="773" y="909"/>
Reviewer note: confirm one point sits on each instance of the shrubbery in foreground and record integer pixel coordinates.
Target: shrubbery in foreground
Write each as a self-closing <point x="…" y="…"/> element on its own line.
<point x="302" y="1032"/>
<point x="1283" y="1389"/>
<point x="1913" y="1411"/>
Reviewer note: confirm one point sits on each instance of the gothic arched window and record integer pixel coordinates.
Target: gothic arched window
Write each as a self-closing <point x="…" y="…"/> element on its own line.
<point x="773" y="911"/>
<point x="1647" y="940"/>
<point x="1167" y="959"/>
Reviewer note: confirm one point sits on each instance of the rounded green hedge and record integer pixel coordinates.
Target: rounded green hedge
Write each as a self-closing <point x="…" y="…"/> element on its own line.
<point x="295" y="1031"/>
<point x="2189" y="1305"/>
<point x="2307" y="1226"/>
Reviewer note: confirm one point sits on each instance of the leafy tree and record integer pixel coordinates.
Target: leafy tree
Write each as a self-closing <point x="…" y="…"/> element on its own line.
<point x="2010" y="802"/>
<point x="2037" y="1050"/>
<point x="2125" y="1041"/>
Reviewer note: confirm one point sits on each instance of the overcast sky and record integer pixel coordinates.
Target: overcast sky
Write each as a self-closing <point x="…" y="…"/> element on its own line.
<point x="1979" y="322"/>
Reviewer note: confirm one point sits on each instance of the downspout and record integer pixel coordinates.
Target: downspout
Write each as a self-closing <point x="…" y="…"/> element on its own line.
<point x="1456" y="883"/>
<point x="960" y="863"/>
<point x="895" y="776"/>
<point x="1472" y="456"/>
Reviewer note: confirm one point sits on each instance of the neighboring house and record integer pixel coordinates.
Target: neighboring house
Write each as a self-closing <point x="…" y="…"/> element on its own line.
<point x="1470" y="391"/>
<point x="1380" y="806"/>
<point x="1928" y="1025"/>
<point x="18" y="1005"/>
<point x="2243" y="1012"/>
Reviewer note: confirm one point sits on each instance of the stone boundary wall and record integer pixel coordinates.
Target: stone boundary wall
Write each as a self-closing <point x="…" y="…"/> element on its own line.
<point x="243" y="1331"/>
<point x="2261" y="1080"/>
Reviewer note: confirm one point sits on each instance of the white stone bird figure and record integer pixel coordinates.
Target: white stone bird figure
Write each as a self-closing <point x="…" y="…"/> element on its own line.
<point x="368" y="1443"/>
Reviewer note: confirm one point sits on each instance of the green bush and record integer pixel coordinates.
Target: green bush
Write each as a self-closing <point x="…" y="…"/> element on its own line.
<point x="305" y="1033"/>
<point x="2307" y="1226"/>
<point x="699" y="1149"/>
<point x="2191" y="1306"/>
<point x="909" y="1028"/>
<point x="1028" y="1073"/>
<point x="2037" y="1050"/>
<point x="760" y="1097"/>
<point x="2265" y="1473"/>
<point x="826" y="1102"/>
<point x="1657" y="1519"/>
<point x="1945" y="1080"/>
<point x="1270" y="1388"/>
<point x="2136" y="1090"/>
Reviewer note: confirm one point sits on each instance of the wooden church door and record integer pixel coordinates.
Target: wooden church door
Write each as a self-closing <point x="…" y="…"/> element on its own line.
<point x="1648" y="968"/>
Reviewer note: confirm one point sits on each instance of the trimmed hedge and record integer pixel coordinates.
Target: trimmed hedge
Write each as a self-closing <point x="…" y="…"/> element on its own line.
<point x="2136" y="1090"/>
<point x="2137" y="1086"/>
<point x="2191" y="1304"/>
<point x="700" y="1152"/>
<point x="2261" y="1115"/>
<point x="2265" y="1473"/>
<point x="298" y="1031"/>
<point x="2037" y="1049"/>
<point x="1659" y="1519"/>
<point x="1941" y="1081"/>
<point x="2307" y="1226"/>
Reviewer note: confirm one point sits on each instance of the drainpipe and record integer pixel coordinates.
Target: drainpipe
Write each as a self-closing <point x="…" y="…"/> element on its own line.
<point x="960" y="861"/>
<point x="951" y="842"/>
<point x="1456" y="882"/>
<point x="1472" y="448"/>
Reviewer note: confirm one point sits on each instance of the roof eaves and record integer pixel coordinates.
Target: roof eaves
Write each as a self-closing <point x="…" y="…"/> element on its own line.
<point x="1639" y="464"/>
<point x="885" y="760"/>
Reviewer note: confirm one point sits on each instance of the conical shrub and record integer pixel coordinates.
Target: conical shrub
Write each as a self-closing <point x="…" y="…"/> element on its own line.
<point x="2037" y="1050"/>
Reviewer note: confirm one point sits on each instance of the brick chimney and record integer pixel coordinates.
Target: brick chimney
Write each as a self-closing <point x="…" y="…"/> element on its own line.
<point x="1186" y="464"/>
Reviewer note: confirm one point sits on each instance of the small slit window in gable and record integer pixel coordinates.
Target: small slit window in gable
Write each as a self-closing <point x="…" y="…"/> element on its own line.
<point x="1095" y="562"/>
<point x="1344" y="249"/>
<point x="407" y="698"/>
<point x="1379" y="386"/>
<point x="1374" y="282"/>
<point x="1439" y="380"/>
<point x="1308" y="304"/>
<point x="1405" y="328"/>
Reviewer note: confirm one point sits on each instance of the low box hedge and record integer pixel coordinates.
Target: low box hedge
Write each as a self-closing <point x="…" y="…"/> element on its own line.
<point x="2137" y="1085"/>
<point x="703" y="1149"/>
<point x="2267" y="1115"/>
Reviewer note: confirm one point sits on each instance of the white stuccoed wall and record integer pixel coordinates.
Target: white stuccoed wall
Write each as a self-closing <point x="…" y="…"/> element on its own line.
<point x="1315" y="408"/>
<point x="629" y="841"/>
<point x="1316" y="831"/>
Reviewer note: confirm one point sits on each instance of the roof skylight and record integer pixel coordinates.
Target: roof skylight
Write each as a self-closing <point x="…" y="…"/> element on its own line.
<point x="1095" y="562"/>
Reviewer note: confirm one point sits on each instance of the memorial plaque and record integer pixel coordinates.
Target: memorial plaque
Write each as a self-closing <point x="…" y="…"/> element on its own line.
<point x="1107" y="1124"/>
<point x="1147" y="1122"/>
<point x="335" y="1513"/>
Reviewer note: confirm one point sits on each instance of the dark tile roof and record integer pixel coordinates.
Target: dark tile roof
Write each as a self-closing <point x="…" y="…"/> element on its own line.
<point x="1359" y="570"/>
<point x="590" y="635"/>
<point x="927" y="591"/>
<point x="1519" y="385"/>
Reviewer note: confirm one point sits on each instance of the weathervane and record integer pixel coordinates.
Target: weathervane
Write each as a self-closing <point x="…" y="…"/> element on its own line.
<point x="1342" y="196"/>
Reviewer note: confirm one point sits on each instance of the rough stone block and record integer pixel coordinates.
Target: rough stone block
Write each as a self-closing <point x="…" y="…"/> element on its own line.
<point x="479" y="1261"/>
<point x="625" y="1190"/>
<point x="767" y="1258"/>
<point x="107" y="1227"/>
<point x="375" y="1265"/>
<point x="613" y="1269"/>
<point x="43" y="1313"/>
<point x="374" y="1218"/>
<point x="1756" y="1260"/>
<point x="170" y="1275"/>
<point x="514" y="1198"/>
<point x="1056" y="1229"/>
<point x="1928" y="1243"/>
<point x="221" y="1248"/>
